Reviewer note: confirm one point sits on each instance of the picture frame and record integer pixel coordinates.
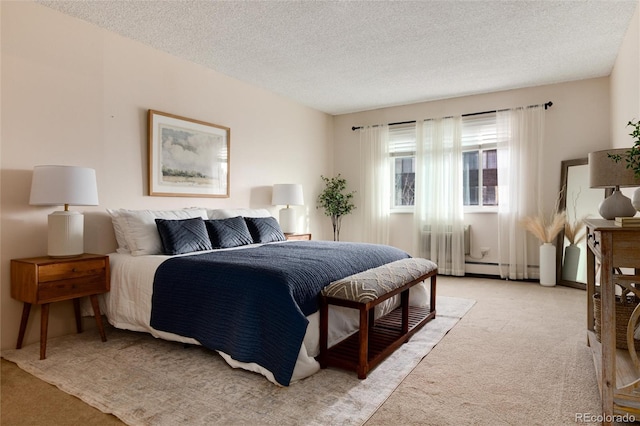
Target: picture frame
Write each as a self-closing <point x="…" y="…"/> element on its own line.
<point x="187" y="157"/>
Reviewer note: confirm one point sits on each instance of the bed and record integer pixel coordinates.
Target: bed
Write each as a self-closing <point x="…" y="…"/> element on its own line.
<point x="238" y="287"/>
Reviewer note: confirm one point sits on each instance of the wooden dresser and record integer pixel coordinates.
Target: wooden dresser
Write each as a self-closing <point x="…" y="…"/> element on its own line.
<point x="614" y="251"/>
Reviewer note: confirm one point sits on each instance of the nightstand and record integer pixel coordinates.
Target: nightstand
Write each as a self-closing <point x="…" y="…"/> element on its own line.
<point x="298" y="237"/>
<point x="43" y="280"/>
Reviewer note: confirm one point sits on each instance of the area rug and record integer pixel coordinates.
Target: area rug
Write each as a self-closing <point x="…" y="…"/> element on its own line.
<point x="147" y="381"/>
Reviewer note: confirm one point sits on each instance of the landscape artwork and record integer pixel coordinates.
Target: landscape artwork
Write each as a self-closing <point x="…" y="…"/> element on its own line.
<point x="187" y="158"/>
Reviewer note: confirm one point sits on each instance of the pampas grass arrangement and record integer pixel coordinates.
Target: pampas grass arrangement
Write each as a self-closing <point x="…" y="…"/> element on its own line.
<point x="573" y="231"/>
<point x="545" y="229"/>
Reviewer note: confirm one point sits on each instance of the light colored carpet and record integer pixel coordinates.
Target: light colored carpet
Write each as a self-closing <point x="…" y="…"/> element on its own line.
<point x="519" y="357"/>
<point x="146" y="381"/>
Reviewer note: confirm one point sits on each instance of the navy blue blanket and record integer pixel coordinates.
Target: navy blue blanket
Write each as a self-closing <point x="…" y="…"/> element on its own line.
<point x="252" y="303"/>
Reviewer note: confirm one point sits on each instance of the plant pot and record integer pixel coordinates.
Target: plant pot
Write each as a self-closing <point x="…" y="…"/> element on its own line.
<point x="635" y="201"/>
<point x="547" y="265"/>
<point x="571" y="261"/>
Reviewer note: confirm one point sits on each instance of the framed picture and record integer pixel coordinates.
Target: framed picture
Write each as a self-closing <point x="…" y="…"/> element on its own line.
<point x="187" y="158"/>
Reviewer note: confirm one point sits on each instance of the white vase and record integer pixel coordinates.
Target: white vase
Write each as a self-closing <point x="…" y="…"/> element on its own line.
<point x="571" y="260"/>
<point x="547" y="265"/>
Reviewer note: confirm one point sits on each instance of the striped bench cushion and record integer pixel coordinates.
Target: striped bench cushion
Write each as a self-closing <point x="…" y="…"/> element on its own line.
<point x="373" y="283"/>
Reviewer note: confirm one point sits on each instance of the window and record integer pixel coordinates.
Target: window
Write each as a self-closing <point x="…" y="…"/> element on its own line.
<point x="402" y="148"/>
<point x="480" y="162"/>
<point x="480" y="183"/>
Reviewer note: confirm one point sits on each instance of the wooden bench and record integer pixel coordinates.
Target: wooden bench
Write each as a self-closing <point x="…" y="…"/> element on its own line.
<point x="376" y="339"/>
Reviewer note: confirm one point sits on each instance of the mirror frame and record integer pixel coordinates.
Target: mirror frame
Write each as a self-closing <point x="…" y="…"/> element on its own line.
<point x="562" y="205"/>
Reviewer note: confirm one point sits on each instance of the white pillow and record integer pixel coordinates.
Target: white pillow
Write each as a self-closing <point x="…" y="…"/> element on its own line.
<point x="118" y="229"/>
<point x="227" y="213"/>
<point x="140" y="231"/>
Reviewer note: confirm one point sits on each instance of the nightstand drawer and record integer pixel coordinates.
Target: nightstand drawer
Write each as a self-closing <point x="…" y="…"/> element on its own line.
<point x="59" y="271"/>
<point x="298" y="237"/>
<point x="52" y="291"/>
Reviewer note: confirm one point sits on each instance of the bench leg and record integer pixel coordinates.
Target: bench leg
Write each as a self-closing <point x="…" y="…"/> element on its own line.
<point x="324" y="331"/>
<point x="363" y="357"/>
<point x="432" y="293"/>
<point x="404" y="302"/>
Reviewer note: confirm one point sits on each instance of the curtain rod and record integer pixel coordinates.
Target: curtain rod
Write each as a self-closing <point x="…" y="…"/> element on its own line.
<point x="546" y="106"/>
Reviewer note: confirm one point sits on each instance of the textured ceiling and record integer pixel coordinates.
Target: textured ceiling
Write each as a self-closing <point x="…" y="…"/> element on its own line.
<point x="349" y="56"/>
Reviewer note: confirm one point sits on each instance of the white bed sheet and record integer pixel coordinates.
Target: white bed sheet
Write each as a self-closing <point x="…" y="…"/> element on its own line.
<point x="128" y="306"/>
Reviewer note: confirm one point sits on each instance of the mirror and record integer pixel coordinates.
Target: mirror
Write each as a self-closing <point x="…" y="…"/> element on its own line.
<point x="579" y="201"/>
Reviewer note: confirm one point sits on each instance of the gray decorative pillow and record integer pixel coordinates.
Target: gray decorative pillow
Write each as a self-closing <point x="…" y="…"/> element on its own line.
<point x="183" y="236"/>
<point x="226" y="233"/>
<point x="264" y="229"/>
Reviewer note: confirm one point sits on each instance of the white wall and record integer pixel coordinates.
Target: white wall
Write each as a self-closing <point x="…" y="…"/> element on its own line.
<point x="625" y="85"/>
<point x="625" y="88"/>
<point x="75" y="94"/>
<point x="577" y="123"/>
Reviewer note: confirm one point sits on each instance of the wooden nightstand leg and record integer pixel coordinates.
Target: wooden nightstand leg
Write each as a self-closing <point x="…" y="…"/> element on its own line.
<point x="26" y="309"/>
<point x="96" y="312"/>
<point x="44" y="324"/>
<point x="76" y="310"/>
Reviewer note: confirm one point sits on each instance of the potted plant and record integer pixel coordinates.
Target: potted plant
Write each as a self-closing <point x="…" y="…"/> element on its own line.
<point x="335" y="202"/>
<point x="632" y="158"/>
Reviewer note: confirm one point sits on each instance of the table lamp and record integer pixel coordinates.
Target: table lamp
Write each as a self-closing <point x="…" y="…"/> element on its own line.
<point x="289" y="194"/>
<point x="604" y="172"/>
<point x="64" y="186"/>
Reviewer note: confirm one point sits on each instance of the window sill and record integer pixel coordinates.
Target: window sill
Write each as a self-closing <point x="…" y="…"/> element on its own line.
<point x="480" y="210"/>
<point x="402" y="210"/>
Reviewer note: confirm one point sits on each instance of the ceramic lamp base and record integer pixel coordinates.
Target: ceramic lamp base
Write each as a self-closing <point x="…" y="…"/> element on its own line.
<point x="616" y="205"/>
<point x="287" y="220"/>
<point x="636" y="199"/>
<point x="66" y="234"/>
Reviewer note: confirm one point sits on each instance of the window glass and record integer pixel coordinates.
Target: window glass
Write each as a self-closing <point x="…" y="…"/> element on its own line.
<point x="470" y="175"/>
<point x="405" y="181"/>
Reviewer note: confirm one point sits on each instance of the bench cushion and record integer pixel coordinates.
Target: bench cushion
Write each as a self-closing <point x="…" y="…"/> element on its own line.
<point x="374" y="283"/>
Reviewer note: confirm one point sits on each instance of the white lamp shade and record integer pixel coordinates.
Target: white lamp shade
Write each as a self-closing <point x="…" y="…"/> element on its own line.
<point x="289" y="194"/>
<point x="60" y="185"/>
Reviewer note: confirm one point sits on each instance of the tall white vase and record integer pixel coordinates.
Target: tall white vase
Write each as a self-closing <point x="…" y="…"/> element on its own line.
<point x="571" y="261"/>
<point x="547" y="265"/>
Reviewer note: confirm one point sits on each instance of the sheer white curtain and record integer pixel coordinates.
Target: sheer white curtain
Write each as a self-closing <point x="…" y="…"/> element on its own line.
<point x="375" y="183"/>
<point x="520" y="136"/>
<point x="439" y="216"/>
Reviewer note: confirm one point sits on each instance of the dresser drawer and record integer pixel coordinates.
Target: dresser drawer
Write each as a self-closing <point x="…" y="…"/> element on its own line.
<point x="593" y="240"/>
